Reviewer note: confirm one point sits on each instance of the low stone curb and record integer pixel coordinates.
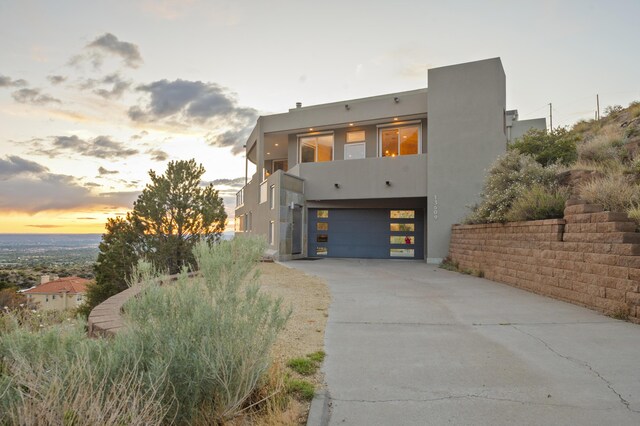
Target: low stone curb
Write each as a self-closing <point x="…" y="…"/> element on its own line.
<point x="320" y="411"/>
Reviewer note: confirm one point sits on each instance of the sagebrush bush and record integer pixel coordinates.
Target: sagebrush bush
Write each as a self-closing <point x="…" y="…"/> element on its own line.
<point x="509" y="177"/>
<point x="612" y="192"/>
<point x="211" y="334"/>
<point x="190" y="353"/>
<point x="539" y="202"/>
<point x="59" y="376"/>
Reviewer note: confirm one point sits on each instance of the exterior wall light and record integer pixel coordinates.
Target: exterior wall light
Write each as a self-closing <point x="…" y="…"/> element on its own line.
<point x="388" y="183"/>
<point x="337" y="185"/>
<point x="396" y="99"/>
<point x="347" y="107"/>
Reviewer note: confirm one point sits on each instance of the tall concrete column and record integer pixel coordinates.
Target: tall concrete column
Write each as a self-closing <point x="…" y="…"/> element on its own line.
<point x="466" y="133"/>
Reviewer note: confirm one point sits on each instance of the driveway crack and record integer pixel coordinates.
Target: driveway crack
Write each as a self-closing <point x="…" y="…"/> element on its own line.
<point x="469" y="396"/>
<point x="583" y="364"/>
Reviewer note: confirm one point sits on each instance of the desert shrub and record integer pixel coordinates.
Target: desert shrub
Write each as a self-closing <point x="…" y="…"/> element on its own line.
<point x="584" y="126"/>
<point x="192" y="352"/>
<point x="634" y="109"/>
<point x="59" y="376"/>
<point x="634" y="213"/>
<point x="613" y="110"/>
<point x="210" y="335"/>
<point x="555" y="146"/>
<point x="612" y="192"/>
<point x="509" y="176"/>
<point x="539" y="202"/>
<point x="606" y="146"/>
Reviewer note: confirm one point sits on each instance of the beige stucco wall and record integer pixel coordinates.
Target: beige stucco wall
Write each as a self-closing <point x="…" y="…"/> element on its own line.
<point x="49" y="302"/>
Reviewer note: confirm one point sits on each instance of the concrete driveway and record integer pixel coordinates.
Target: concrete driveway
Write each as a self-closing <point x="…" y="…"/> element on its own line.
<point x="411" y="344"/>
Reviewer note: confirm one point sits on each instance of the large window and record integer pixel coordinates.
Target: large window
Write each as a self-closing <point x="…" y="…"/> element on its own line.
<point x="404" y="140"/>
<point x="315" y="149"/>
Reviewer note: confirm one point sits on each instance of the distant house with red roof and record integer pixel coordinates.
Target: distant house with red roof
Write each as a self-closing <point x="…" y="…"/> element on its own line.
<point x="61" y="293"/>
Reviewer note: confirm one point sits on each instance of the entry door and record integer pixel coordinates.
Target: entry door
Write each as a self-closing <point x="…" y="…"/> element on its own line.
<point x="296" y="235"/>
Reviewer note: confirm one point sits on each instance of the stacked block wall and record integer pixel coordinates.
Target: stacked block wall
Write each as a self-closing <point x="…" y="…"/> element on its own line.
<point x="590" y="258"/>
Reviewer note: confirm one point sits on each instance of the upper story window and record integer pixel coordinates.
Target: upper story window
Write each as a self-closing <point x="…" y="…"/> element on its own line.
<point x="315" y="149"/>
<point x="400" y="140"/>
<point x="355" y="147"/>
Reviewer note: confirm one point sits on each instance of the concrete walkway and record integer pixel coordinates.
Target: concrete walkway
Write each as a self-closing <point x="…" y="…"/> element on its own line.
<point x="411" y="344"/>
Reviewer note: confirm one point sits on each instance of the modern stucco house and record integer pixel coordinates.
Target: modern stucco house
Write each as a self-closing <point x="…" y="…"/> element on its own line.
<point x="378" y="177"/>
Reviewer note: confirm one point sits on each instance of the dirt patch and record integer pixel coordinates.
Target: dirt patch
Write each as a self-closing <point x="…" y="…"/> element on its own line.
<point x="309" y="298"/>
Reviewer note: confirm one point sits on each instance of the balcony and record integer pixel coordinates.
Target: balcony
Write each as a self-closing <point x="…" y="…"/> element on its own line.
<point x="367" y="178"/>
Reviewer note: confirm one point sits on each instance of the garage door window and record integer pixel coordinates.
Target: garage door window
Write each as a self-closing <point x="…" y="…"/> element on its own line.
<point x="322" y="226"/>
<point x="321" y="251"/>
<point x="402" y="239"/>
<point x="398" y="252"/>
<point x="322" y="238"/>
<point x="402" y="227"/>
<point x="403" y="214"/>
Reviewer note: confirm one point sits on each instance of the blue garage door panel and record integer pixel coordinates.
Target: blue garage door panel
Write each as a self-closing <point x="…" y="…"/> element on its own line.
<point x="361" y="233"/>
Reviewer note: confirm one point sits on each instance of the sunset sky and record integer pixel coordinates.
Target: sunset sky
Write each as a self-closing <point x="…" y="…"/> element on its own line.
<point x="94" y="94"/>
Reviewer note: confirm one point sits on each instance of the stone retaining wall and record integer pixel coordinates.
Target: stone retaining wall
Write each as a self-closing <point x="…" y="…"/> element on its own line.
<point x="106" y="319"/>
<point x="590" y="258"/>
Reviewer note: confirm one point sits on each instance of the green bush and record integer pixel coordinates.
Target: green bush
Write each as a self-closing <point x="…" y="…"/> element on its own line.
<point x="303" y="389"/>
<point x="538" y="202"/>
<point x="555" y="146"/>
<point x="509" y="176"/>
<point x="190" y="353"/>
<point x="303" y="366"/>
<point x="317" y="356"/>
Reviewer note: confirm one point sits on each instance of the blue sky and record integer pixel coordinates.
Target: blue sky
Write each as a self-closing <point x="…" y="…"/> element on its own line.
<point x="94" y="94"/>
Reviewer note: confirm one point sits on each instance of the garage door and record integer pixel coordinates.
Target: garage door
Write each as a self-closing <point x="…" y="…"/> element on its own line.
<point x="366" y="233"/>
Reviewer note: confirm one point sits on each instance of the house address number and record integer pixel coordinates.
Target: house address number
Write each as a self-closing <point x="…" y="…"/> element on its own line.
<point x="435" y="207"/>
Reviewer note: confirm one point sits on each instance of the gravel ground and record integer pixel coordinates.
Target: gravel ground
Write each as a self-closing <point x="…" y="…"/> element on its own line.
<point x="309" y="298"/>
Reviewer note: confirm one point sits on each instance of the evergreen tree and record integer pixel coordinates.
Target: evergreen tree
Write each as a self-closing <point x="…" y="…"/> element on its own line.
<point x="170" y="216"/>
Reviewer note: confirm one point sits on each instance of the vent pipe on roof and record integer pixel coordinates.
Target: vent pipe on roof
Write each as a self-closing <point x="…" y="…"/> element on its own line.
<point x="298" y="104"/>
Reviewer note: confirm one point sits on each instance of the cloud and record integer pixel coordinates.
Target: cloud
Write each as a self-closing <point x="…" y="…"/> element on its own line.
<point x="140" y="135"/>
<point x="120" y="198"/>
<point x="157" y="154"/>
<point x="45" y="226"/>
<point x="56" y="79"/>
<point x="33" y="96"/>
<point x="235" y="138"/>
<point x="13" y="166"/>
<point x="103" y="171"/>
<point x="236" y="182"/>
<point x="29" y="187"/>
<point x="9" y="82"/>
<point x="117" y="86"/>
<point x="86" y="218"/>
<point x="109" y="44"/>
<point x="99" y="147"/>
<point x="195" y="102"/>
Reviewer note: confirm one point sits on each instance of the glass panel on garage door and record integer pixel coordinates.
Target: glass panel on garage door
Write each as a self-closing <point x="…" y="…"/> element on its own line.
<point x="366" y="233"/>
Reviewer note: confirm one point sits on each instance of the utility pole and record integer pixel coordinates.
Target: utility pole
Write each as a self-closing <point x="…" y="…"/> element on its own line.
<point x="598" y="107"/>
<point x="550" y="117"/>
